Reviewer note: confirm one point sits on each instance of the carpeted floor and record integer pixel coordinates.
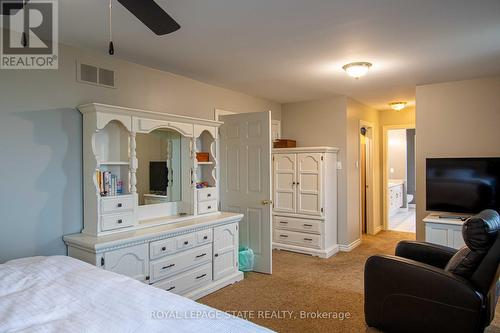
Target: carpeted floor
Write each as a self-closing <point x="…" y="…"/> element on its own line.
<point x="302" y="285"/>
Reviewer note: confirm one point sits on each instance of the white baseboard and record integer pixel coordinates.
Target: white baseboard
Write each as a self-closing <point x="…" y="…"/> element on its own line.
<point x="214" y="286"/>
<point x="327" y="253"/>
<point x="350" y="247"/>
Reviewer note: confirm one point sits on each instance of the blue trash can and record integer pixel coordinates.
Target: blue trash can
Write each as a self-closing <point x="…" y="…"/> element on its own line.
<point x="246" y="259"/>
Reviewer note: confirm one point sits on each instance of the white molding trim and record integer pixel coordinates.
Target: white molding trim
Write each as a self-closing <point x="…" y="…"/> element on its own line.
<point x="378" y="229"/>
<point x="350" y="247"/>
<point x="327" y="253"/>
<point x="220" y="112"/>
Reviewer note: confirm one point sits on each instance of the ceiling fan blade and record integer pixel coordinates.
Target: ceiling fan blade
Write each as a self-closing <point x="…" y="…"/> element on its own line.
<point x="152" y="15"/>
<point x="11" y="6"/>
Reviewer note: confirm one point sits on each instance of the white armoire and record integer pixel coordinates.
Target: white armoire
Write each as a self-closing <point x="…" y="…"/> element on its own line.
<point x="305" y="200"/>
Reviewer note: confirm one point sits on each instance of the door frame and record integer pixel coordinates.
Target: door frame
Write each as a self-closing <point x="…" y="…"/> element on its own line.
<point x="370" y="168"/>
<point x="385" y="173"/>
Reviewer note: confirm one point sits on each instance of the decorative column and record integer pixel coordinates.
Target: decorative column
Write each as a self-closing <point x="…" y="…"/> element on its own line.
<point x="133" y="164"/>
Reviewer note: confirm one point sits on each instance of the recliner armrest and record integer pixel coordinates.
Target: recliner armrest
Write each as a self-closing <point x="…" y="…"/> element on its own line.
<point x="403" y="295"/>
<point x="427" y="253"/>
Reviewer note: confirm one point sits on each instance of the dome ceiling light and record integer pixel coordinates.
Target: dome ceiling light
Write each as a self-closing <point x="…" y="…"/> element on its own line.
<point x="398" y="106"/>
<point x="357" y="69"/>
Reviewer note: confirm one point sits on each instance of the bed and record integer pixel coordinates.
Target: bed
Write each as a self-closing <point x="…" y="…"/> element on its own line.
<point x="62" y="294"/>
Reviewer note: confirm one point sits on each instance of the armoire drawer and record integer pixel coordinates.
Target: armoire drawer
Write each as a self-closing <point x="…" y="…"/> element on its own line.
<point x="186" y="281"/>
<point x="204" y="236"/>
<point x="117" y="204"/>
<point x="112" y="222"/>
<point x="297" y="238"/>
<point x="290" y="223"/>
<point x="207" y="207"/>
<point x="179" y="262"/>
<point x="207" y="194"/>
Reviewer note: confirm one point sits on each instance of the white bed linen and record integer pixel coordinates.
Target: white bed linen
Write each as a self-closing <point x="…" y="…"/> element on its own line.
<point x="62" y="294"/>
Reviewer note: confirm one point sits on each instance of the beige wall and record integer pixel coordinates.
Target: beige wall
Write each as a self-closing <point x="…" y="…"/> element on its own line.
<point x="455" y="119"/>
<point x="136" y="86"/>
<point x="396" y="153"/>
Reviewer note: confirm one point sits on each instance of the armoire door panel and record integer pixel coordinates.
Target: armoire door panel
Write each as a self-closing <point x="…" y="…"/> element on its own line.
<point x="285" y="183"/>
<point x="309" y="179"/>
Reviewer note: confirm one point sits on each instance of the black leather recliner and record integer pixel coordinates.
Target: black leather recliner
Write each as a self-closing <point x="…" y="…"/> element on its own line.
<point x="432" y="288"/>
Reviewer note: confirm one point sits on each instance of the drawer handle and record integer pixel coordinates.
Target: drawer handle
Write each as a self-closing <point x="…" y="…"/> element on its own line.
<point x="216" y="255"/>
<point x="164" y="248"/>
<point x="171" y="288"/>
<point x="201" y="276"/>
<point x="209" y="207"/>
<point x="186" y="243"/>
<point x="308" y="225"/>
<point x="119" y="205"/>
<point x="209" y="195"/>
<point x="201" y="255"/>
<point x="169" y="266"/>
<point x="308" y="239"/>
<point x="120" y="221"/>
<point x="285" y="236"/>
<point x="283" y="222"/>
<point x="205" y="237"/>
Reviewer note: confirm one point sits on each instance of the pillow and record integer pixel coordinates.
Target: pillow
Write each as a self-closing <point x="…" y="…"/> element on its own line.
<point x="465" y="262"/>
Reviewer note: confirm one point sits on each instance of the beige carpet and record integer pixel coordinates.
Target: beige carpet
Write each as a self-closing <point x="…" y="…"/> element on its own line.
<point x="299" y="282"/>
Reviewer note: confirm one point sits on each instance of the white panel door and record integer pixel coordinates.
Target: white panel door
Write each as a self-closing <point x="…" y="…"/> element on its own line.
<point x="309" y="173"/>
<point x="284" y="166"/>
<point x="245" y="184"/>
<point x="225" y="252"/>
<point x="131" y="261"/>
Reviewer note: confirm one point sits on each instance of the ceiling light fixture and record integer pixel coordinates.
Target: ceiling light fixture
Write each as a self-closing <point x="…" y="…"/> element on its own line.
<point x="357" y="69"/>
<point x="398" y="106"/>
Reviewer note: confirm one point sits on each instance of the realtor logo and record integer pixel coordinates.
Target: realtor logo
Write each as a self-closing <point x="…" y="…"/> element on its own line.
<point x="29" y="34"/>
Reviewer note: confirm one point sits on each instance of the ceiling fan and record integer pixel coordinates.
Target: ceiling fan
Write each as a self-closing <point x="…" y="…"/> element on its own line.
<point x="147" y="11"/>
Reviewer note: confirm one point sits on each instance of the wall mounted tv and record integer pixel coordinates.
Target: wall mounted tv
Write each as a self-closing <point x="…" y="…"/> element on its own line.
<point x="463" y="185"/>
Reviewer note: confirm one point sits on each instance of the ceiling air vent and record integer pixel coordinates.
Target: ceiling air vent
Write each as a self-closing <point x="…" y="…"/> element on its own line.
<point x="95" y="75"/>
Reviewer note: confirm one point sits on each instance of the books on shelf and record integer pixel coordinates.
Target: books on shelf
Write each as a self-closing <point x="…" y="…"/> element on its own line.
<point x="109" y="184"/>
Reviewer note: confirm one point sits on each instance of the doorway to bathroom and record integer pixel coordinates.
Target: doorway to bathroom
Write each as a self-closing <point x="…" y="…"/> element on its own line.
<point x="399" y="178"/>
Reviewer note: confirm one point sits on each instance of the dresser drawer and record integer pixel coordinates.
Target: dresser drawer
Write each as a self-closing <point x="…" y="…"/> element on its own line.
<point x="185" y="241"/>
<point x="180" y="262"/>
<point x="117" y="221"/>
<point x="186" y="281"/>
<point x="117" y="204"/>
<point x="207" y="207"/>
<point x="297" y="238"/>
<point x="162" y="248"/>
<point x="290" y="223"/>
<point x="204" y="236"/>
<point x="207" y="194"/>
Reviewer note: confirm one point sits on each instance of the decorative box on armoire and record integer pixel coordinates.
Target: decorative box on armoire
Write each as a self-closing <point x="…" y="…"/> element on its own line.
<point x="305" y="200"/>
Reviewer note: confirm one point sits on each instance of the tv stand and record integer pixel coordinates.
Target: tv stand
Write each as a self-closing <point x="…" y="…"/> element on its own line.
<point x="445" y="229"/>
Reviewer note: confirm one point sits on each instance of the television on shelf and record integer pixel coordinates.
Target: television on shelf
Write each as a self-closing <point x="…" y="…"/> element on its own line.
<point x="462" y="185"/>
<point x="158" y="178"/>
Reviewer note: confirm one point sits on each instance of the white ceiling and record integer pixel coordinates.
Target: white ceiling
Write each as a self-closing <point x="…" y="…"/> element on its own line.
<point x="293" y="50"/>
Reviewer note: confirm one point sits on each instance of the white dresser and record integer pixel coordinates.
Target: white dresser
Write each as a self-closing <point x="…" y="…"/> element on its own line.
<point x="192" y="258"/>
<point x="305" y="200"/>
<point x="178" y="241"/>
<point x="444" y="231"/>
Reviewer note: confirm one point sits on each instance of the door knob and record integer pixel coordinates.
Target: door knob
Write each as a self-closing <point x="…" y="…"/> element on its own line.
<point x="267" y="202"/>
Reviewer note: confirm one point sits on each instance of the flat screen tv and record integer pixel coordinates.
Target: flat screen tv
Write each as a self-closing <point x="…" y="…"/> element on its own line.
<point x="463" y="185"/>
<point x="158" y="178"/>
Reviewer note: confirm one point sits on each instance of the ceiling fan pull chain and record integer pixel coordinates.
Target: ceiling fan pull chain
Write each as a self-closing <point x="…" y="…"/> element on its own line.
<point x="24" y="38"/>
<point x="111" y="48"/>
